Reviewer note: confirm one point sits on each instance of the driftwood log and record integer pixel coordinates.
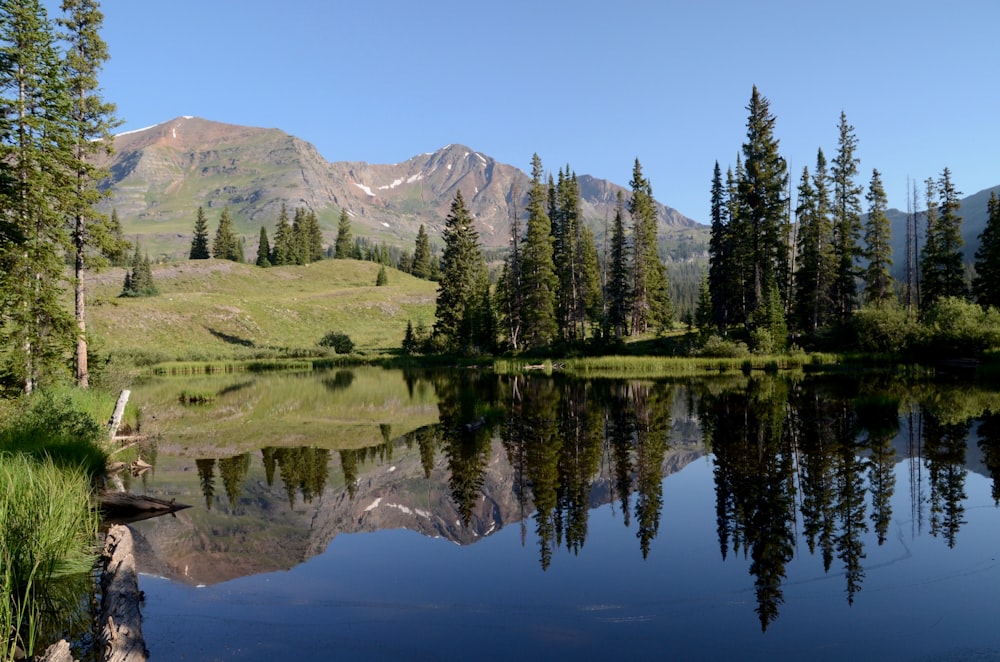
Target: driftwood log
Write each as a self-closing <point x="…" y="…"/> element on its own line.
<point x="121" y="621"/>
<point x="123" y="507"/>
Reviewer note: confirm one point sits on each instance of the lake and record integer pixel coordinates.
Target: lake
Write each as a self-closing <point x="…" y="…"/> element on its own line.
<point x="384" y="514"/>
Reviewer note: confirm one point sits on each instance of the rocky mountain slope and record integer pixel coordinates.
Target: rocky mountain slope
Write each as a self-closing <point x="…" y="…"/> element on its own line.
<point x="161" y="174"/>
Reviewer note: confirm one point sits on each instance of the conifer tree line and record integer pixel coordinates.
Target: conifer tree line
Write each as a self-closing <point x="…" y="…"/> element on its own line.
<point x="53" y="121"/>
<point x="775" y="268"/>
<point x="553" y="290"/>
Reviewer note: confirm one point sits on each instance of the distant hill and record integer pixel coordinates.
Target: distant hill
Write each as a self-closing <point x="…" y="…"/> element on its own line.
<point x="161" y="174"/>
<point x="973" y="213"/>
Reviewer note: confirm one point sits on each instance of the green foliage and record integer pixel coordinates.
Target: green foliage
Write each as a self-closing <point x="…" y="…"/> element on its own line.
<point x="263" y="249"/>
<point x="345" y="243"/>
<point x="421" y="267"/>
<point x="139" y="278"/>
<point x="382" y="278"/>
<point x="227" y="245"/>
<point x="462" y="318"/>
<point x="941" y="257"/>
<point x="878" y="246"/>
<point x="955" y="327"/>
<point x="47" y="535"/>
<point x="340" y="342"/>
<point x="538" y="276"/>
<point x="650" y="296"/>
<point x="618" y="294"/>
<point x="716" y="347"/>
<point x="986" y="284"/>
<point x="199" y="243"/>
<point x="885" y="328"/>
<point x="283" y="251"/>
<point x="846" y="221"/>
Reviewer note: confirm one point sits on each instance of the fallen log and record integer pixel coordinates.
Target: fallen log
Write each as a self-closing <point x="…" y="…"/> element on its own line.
<point x="123" y="507"/>
<point x="121" y="621"/>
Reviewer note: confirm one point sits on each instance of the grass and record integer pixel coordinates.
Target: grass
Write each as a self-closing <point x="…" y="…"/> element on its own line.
<point x="651" y="367"/>
<point x="210" y="310"/>
<point x="47" y="546"/>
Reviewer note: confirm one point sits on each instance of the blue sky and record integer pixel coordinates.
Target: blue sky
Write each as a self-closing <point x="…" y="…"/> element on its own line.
<point x="585" y="83"/>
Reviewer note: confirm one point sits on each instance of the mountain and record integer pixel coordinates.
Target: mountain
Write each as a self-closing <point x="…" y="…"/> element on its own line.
<point x="974" y="216"/>
<point x="161" y="174"/>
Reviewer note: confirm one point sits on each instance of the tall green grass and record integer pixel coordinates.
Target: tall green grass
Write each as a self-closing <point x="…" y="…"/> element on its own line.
<point x="47" y="549"/>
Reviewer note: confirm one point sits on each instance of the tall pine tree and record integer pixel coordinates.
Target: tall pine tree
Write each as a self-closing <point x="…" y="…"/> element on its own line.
<point x="461" y="322"/>
<point x="986" y="284"/>
<point x="878" y="244"/>
<point x="941" y="260"/>
<point x="421" y="254"/>
<point x="538" y="277"/>
<point x="651" y="307"/>
<point x="263" y="249"/>
<point x="618" y="290"/>
<point x="92" y="120"/>
<point x="846" y="220"/>
<point x="283" y="250"/>
<point x="199" y="243"/>
<point x="226" y="245"/>
<point x="345" y="244"/>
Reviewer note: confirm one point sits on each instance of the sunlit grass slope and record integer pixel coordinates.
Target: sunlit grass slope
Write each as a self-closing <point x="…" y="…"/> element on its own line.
<point x="210" y="309"/>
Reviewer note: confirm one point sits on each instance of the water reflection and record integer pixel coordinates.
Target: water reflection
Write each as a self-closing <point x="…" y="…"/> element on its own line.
<point x="794" y="461"/>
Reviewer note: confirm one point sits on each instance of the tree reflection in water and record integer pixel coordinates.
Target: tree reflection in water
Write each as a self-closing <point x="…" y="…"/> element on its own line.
<point x="789" y="455"/>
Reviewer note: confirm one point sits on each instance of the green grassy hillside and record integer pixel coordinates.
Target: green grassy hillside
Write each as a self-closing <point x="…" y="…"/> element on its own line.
<point x="210" y="310"/>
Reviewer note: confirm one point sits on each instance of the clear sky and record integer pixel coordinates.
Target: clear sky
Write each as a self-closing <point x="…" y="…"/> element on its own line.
<point x="581" y="82"/>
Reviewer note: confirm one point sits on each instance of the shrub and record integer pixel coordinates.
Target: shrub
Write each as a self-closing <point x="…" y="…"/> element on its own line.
<point x="885" y="328"/>
<point x="340" y="342"/>
<point x="718" y="348"/>
<point x="955" y="327"/>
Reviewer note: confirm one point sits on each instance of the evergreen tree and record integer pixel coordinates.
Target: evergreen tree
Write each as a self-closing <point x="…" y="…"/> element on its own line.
<point x="815" y="271"/>
<point x="139" y="277"/>
<point x="846" y="220"/>
<point x="941" y="260"/>
<point x="459" y="314"/>
<point x="282" y="253"/>
<point x="878" y="247"/>
<point x="590" y="280"/>
<point x="421" y="255"/>
<point x="263" y="249"/>
<point x="567" y="217"/>
<point x="704" y="317"/>
<point x="382" y="278"/>
<point x="760" y="210"/>
<point x="199" y="243"/>
<point x="650" y="289"/>
<point x="720" y="280"/>
<point x="986" y="284"/>
<point x="226" y="245"/>
<point x="300" y="237"/>
<point x="312" y="237"/>
<point x="618" y="296"/>
<point x="92" y="120"/>
<point x="39" y="173"/>
<point x="510" y="289"/>
<point x="538" y="277"/>
<point x="343" y="247"/>
<point x="116" y="250"/>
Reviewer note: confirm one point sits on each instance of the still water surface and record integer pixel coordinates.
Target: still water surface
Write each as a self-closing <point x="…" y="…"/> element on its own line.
<point x="487" y="517"/>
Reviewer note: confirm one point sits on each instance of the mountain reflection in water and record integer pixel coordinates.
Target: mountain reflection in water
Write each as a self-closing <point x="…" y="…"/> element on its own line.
<point x="801" y="474"/>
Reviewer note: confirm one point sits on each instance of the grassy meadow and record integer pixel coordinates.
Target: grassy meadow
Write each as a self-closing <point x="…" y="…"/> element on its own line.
<point x="211" y="310"/>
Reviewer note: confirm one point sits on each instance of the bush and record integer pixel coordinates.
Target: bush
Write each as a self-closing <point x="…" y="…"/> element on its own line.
<point x="718" y="348"/>
<point x="957" y="328"/>
<point x="885" y="329"/>
<point x="340" y="342"/>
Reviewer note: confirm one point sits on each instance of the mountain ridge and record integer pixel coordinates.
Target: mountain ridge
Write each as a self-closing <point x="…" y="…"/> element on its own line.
<point x="159" y="175"/>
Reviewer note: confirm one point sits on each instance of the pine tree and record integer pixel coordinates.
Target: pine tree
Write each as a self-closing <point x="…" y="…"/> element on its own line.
<point x="538" y="278"/>
<point x="300" y="237"/>
<point x="312" y="237"/>
<point x="343" y="247"/>
<point x="263" y="249"/>
<point x="619" y="301"/>
<point x="116" y="250"/>
<point x="510" y="289"/>
<point x="760" y="212"/>
<point x="92" y="120"/>
<point x="815" y="273"/>
<point x="199" y="243"/>
<point x="282" y="253"/>
<point x="382" y="278"/>
<point x="226" y="245"/>
<point x="139" y="277"/>
<point x="459" y="314"/>
<point x="704" y="315"/>
<point x="941" y="259"/>
<point x="590" y="281"/>
<point x="421" y="254"/>
<point x="878" y="247"/>
<point x="846" y="220"/>
<point x="650" y="289"/>
<point x="720" y="280"/>
<point x="986" y="284"/>
<point x="39" y="143"/>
